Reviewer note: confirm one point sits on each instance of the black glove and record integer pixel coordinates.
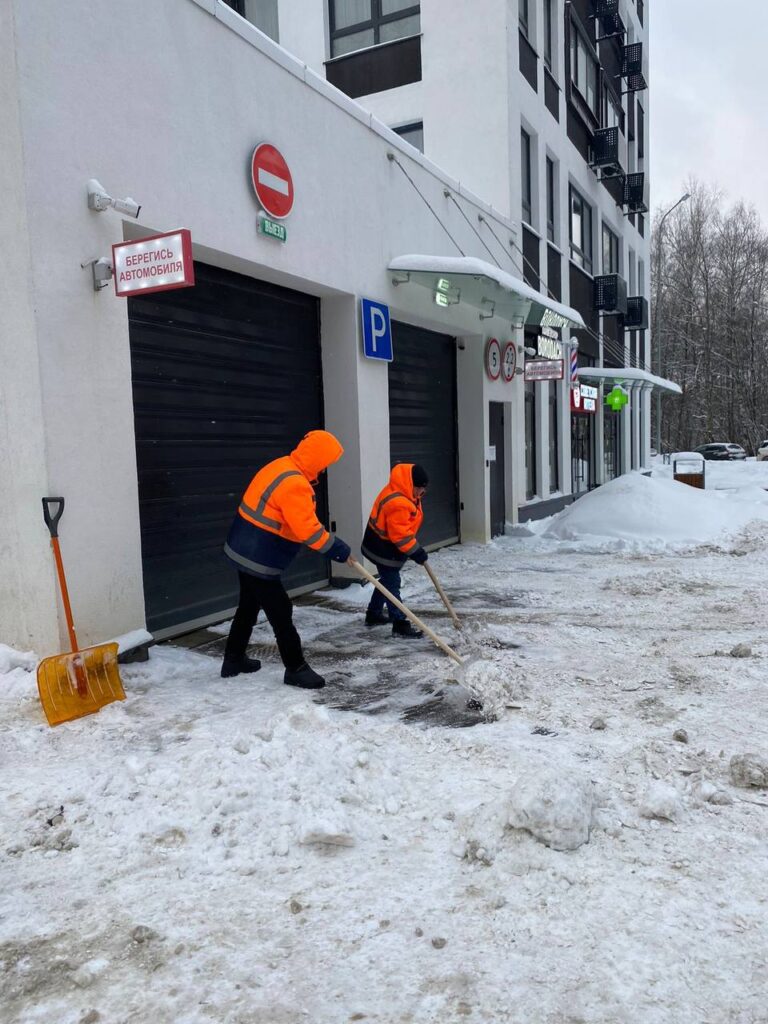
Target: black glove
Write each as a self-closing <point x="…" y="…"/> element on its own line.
<point x="419" y="556"/>
<point x="339" y="551"/>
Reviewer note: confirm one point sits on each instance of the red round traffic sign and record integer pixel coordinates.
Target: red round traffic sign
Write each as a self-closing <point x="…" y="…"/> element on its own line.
<point x="493" y="359"/>
<point x="272" y="180"/>
<point x="509" y="361"/>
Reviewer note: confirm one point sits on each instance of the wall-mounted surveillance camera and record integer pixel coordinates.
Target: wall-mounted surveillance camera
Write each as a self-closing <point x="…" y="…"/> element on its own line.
<point x="530" y="351"/>
<point x="99" y="199"/>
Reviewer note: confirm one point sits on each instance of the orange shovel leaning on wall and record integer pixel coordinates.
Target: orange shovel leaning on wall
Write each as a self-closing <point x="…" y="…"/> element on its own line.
<point x="76" y="684"/>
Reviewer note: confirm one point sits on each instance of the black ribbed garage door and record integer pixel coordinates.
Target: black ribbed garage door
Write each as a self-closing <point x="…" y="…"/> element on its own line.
<point x="422" y="422"/>
<point x="226" y="376"/>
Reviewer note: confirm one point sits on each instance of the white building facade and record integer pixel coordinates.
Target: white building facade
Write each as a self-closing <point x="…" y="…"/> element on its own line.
<point x="541" y="107"/>
<point x="149" y="414"/>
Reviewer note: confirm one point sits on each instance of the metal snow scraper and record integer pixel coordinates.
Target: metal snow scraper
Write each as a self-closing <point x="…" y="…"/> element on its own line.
<point x="76" y="684"/>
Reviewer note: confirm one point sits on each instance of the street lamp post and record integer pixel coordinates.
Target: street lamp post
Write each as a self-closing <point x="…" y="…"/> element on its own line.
<point x="657" y="332"/>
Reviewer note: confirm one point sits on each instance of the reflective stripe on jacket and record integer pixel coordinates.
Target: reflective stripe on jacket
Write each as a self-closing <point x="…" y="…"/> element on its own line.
<point x="395" y="520"/>
<point x="277" y="512"/>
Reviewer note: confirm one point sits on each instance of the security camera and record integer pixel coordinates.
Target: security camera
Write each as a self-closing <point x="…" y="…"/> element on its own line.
<point x="99" y="199"/>
<point x="530" y="351"/>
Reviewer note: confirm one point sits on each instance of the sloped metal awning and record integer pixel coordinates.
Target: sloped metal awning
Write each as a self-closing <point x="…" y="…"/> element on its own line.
<point x="630" y="375"/>
<point x="492" y="291"/>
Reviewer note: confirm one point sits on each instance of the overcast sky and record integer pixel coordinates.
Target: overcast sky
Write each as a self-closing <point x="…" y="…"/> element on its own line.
<point x="709" y="98"/>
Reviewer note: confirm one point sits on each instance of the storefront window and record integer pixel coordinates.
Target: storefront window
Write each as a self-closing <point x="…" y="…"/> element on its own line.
<point x="582" y="454"/>
<point x="554" y="439"/>
<point x="530" y="440"/>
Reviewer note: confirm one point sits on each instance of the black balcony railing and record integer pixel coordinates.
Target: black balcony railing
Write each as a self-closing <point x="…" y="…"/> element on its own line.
<point x="636" y="317"/>
<point x="610" y="295"/>
<point x="605" y="153"/>
<point x="634" y="193"/>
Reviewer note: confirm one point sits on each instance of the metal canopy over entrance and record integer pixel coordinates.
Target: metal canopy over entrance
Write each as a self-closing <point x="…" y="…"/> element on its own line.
<point x="490" y="290"/>
<point x="629" y="375"/>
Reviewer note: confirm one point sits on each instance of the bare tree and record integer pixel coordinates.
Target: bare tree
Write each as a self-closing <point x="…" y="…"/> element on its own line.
<point x="714" y="331"/>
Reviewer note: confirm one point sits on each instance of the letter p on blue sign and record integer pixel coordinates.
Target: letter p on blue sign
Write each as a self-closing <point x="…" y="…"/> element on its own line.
<point x="377" y="332"/>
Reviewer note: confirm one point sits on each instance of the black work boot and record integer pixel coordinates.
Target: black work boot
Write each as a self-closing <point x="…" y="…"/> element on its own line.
<point x="234" y="666"/>
<point x="376" y="619"/>
<point x="304" y="677"/>
<point x="403" y="628"/>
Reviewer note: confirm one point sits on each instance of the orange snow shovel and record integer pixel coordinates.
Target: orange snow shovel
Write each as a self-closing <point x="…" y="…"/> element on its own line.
<point x="76" y="684"/>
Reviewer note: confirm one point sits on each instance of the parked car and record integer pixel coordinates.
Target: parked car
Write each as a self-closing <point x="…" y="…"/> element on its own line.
<point x="722" y="452"/>
<point x="762" y="452"/>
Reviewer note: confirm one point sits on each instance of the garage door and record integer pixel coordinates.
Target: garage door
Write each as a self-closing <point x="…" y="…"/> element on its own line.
<point x="226" y="376"/>
<point x="422" y="422"/>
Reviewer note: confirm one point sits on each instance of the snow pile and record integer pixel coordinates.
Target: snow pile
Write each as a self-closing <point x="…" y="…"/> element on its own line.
<point x="11" y="660"/>
<point x="639" y="513"/>
<point x="494" y="682"/>
<point x="556" y="809"/>
<point x="661" y="801"/>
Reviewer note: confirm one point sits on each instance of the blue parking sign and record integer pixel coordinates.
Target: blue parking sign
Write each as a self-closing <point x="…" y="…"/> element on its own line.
<point x="377" y="332"/>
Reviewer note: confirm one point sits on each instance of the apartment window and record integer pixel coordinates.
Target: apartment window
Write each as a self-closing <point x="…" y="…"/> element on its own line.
<point x="413" y="133"/>
<point x="525" y="168"/>
<point x="584" y="68"/>
<point x="581" y="231"/>
<point x="610" y="251"/>
<point x="524" y="17"/>
<point x="530" y="440"/>
<point x="548" y="33"/>
<point x="554" y="440"/>
<point x="261" y="13"/>
<point x="357" y="24"/>
<point x="611" y="110"/>
<point x="640" y="132"/>
<point x="550" y="200"/>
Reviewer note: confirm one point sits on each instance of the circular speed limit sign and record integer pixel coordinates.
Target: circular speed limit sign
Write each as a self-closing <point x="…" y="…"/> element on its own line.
<point x="493" y="359"/>
<point x="509" y="361"/>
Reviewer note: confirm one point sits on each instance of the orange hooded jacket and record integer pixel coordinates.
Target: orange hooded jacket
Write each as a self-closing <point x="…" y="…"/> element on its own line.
<point x="396" y="518"/>
<point x="277" y="512"/>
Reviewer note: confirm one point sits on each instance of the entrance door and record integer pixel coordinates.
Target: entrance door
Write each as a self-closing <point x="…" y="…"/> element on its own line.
<point x="582" y="454"/>
<point x="422" y="422"/>
<point x="226" y="377"/>
<point x="498" y="493"/>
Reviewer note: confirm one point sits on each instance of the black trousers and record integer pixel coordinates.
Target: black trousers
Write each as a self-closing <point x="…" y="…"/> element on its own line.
<point x="269" y="595"/>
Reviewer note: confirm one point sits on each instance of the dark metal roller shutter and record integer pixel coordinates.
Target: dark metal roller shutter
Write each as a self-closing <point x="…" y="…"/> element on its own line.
<point x="226" y="376"/>
<point x="422" y="422"/>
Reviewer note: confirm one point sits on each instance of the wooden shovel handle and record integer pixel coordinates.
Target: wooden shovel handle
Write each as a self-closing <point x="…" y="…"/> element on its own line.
<point x="443" y="595"/>
<point x="406" y="611"/>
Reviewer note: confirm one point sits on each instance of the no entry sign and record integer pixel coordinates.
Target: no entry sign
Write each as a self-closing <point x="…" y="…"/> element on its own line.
<point x="272" y="180"/>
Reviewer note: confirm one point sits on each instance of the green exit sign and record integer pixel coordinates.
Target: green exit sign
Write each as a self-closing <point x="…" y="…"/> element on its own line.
<point x="272" y="229"/>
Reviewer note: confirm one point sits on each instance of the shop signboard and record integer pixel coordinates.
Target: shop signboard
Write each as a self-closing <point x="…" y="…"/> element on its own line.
<point x="156" y="263"/>
<point x="584" y="399"/>
<point x="544" y="369"/>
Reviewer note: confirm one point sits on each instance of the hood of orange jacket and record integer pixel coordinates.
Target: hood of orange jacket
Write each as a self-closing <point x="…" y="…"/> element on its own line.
<point x="316" y="451"/>
<point x="401" y="479"/>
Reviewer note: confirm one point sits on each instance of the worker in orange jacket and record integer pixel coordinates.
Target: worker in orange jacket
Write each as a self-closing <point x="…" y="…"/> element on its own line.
<point x="390" y="539"/>
<point x="276" y="516"/>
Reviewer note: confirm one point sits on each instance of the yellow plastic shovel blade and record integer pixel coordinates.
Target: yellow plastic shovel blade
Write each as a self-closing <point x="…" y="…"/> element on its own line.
<point x="73" y="685"/>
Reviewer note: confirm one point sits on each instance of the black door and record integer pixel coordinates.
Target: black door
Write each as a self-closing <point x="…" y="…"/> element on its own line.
<point x="422" y="422"/>
<point x="582" y="453"/>
<point x="226" y="376"/>
<point x="498" y="494"/>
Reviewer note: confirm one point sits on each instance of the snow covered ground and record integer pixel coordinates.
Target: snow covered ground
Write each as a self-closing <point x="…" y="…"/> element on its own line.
<point x="238" y="852"/>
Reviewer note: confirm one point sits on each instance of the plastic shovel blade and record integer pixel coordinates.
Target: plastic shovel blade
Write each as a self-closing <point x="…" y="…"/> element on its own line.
<point x="78" y="684"/>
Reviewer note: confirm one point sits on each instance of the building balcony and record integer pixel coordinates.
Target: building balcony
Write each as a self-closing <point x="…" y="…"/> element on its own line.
<point x="610" y="295"/>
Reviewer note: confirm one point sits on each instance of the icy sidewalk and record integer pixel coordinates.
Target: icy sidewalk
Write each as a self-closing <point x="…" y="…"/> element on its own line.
<point x="235" y="852"/>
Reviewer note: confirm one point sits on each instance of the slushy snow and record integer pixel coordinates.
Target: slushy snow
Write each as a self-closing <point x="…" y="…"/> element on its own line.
<point x="235" y="852"/>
